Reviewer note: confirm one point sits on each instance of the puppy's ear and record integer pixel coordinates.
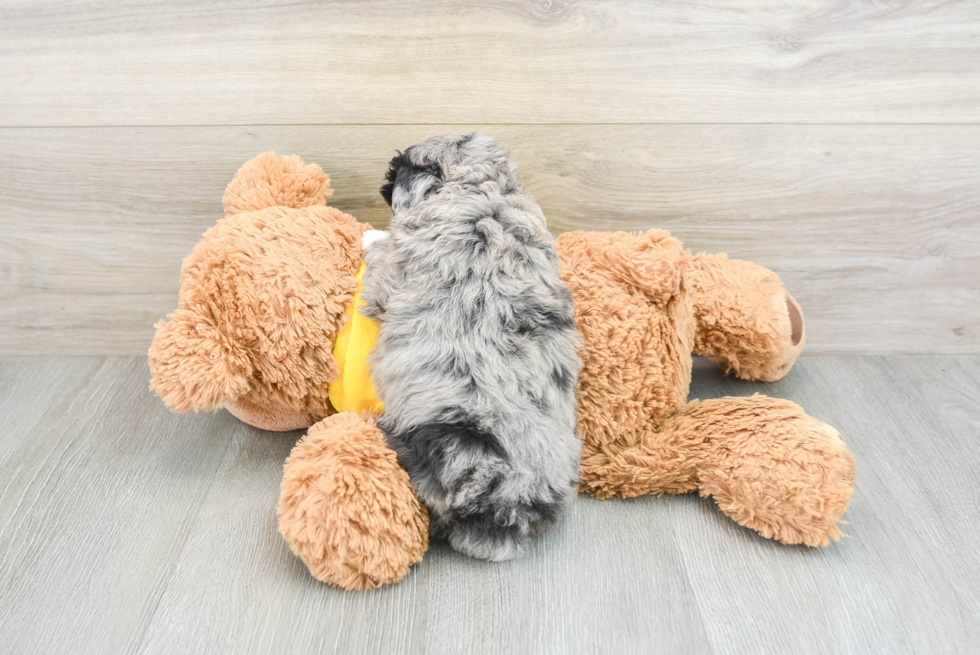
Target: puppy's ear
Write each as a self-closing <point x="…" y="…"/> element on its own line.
<point x="387" y="189"/>
<point x="408" y="181"/>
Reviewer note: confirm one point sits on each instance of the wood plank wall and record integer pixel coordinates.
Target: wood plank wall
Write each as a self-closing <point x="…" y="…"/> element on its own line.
<point x="837" y="143"/>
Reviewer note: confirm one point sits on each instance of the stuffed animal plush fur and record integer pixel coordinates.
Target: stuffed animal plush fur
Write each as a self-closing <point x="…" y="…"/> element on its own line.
<point x="269" y="293"/>
<point x="262" y="299"/>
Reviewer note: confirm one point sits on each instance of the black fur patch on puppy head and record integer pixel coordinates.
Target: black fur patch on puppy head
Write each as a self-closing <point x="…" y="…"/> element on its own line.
<point x="408" y="180"/>
<point x="396" y="164"/>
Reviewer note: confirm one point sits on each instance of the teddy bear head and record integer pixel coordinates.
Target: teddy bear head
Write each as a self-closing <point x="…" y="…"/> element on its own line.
<point x="262" y="297"/>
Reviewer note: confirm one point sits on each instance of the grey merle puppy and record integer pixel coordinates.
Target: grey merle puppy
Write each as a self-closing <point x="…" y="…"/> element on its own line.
<point x="476" y="358"/>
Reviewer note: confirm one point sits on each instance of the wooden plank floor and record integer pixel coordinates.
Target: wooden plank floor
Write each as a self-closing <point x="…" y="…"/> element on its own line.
<point x="124" y="528"/>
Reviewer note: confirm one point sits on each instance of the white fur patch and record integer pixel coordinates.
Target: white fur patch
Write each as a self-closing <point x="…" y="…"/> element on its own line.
<point x="373" y="236"/>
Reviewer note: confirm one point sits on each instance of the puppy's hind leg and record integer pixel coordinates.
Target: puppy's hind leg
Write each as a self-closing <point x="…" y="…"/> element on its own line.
<point x="487" y="535"/>
<point x="464" y="475"/>
<point x="497" y="530"/>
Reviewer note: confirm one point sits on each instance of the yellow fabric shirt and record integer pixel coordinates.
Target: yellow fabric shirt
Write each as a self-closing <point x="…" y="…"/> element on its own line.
<point x="353" y="390"/>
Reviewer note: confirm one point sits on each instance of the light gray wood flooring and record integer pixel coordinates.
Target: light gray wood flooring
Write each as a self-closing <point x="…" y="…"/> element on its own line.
<point x="127" y="529"/>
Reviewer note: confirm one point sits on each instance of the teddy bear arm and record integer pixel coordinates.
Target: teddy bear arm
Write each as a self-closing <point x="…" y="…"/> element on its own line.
<point x="347" y="507"/>
<point x="746" y="320"/>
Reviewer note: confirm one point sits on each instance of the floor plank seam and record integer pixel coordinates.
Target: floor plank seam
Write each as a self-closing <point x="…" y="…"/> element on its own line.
<point x="690" y="584"/>
<point x="139" y="644"/>
<point x="55" y="454"/>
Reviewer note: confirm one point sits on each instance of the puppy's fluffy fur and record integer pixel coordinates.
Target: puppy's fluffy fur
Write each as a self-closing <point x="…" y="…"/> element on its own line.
<point x="476" y="359"/>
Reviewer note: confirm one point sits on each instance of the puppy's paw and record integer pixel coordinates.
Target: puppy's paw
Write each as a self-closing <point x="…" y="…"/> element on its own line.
<point x="481" y="536"/>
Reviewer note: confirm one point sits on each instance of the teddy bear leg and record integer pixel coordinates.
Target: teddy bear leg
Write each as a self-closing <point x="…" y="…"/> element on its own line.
<point x="347" y="508"/>
<point x="746" y="320"/>
<point x="768" y="465"/>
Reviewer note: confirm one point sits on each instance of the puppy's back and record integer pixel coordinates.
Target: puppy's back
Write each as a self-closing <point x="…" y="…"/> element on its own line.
<point x="476" y="361"/>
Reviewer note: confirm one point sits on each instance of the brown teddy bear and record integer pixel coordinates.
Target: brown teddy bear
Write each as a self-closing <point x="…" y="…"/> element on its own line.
<point x="268" y="297"/>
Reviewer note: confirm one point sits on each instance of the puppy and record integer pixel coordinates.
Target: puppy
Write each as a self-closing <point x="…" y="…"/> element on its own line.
<point x="476" y="357"/>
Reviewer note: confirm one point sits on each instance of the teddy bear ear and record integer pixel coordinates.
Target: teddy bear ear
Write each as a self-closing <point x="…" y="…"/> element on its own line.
<point x="272" y="181"/>
<point x="195" y="366"/>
